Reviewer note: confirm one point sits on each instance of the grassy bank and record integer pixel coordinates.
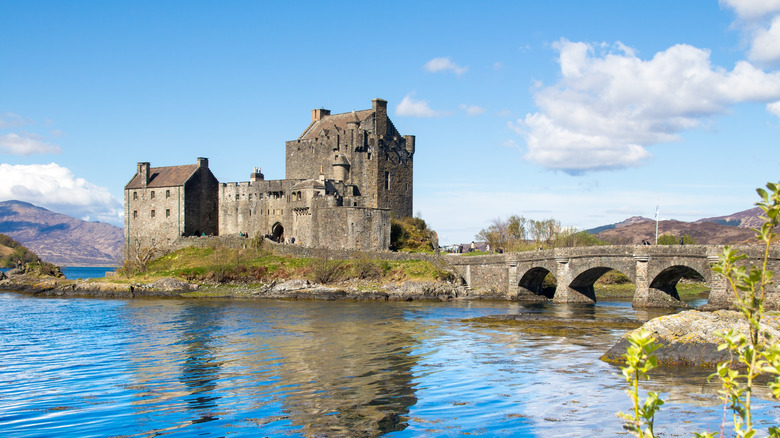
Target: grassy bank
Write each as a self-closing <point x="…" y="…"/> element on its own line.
<point x="258" y="266"/>
<point x="626" y="290"/>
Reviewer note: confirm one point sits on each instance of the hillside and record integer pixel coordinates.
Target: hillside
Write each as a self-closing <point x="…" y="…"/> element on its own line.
<point x="743" y="219"/>
<point x="60" y="239"/>
<point x="630" y="221"/>
<point x="704" y="233"/>
<point x="12" y="251"/>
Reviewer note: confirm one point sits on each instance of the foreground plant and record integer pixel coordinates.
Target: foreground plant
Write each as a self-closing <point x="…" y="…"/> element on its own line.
<point x="639" y="361"/>
<point x="749" y="286"/>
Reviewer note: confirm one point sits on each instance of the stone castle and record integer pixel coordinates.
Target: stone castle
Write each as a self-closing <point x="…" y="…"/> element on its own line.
<point x="346" y="175"/>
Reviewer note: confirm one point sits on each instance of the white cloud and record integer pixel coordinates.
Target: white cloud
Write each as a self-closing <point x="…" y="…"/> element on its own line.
<point x="609" y="106"/>
<point x="760" y="22"/>
<point x="511" y="144"/>
<point x="11" y="120"/>
<point x="28" y="144"/>
<point x="444" y="64"/>
<point x="410" y="107"/>
<point x="766" y="43"/>
<point x="472" y="110"/>
<point x="774" y="108"/>
<point x="56" y="188"/>
<point x="751" y="10"/>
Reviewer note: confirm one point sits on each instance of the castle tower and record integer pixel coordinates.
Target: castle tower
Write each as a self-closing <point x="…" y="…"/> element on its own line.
<point x="362" y="148"/>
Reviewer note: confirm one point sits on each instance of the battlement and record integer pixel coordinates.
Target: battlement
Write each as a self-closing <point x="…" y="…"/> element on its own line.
<point x="346" y="174"/>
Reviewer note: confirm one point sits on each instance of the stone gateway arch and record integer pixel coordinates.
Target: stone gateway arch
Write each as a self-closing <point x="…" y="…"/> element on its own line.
<point x="654" y="270"/>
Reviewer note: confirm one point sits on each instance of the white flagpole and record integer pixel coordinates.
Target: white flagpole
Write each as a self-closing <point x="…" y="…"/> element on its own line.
<point x="657" y="206"/>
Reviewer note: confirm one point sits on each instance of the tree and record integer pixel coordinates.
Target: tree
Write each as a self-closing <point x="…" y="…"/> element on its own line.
<point x="507" y="233"/>
<point x="671" y="239"/>
<point x="545" y="231"/>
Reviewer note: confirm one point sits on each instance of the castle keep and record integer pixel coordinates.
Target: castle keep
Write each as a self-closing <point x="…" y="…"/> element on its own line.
<point x="345" y="176"/>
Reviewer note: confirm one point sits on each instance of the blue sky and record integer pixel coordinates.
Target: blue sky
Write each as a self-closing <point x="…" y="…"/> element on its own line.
<point x="587" y="112"/>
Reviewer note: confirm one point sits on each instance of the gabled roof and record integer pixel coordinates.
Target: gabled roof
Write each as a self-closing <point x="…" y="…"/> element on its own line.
<point x="308" y="184"/>
<point x="335" y="121"/>
<point x="171" y="176"/>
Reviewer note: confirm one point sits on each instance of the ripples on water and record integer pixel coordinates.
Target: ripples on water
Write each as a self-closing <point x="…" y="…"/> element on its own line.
<point x="80" y="367"/>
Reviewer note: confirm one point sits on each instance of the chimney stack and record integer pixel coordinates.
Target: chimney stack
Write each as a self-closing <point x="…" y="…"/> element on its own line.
<point x="380" y="109"/>
<point x="143" y="170"/>
<point x="318" y="114"/>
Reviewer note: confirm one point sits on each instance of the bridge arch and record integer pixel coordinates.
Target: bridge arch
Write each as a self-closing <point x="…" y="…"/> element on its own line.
<point x="655" y="271"/>
<point x="584" y="283"/>
<point x="661" y="287"/>
<point x="532" y="282"/>
<point x="578" y="273"/>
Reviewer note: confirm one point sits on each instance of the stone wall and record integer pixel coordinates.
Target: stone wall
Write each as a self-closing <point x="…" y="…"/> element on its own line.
<point x="486" y="273"/>
<point x="153" y="217"/>
<point x="201" y="211"/>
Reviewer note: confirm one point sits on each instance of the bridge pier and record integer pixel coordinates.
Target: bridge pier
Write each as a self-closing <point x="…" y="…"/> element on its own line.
<point x="720" y="295"/>
<point x="647" y="296"/>
<point x="564" y="293"/>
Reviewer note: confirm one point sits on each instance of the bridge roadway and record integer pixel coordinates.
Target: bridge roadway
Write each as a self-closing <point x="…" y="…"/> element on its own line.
<point x="655" y="270"/>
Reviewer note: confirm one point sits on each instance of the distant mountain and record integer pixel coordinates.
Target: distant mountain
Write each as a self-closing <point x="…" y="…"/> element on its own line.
<point x="630" y="221"/>
<point x="60" y="239"/>
<point x="704" y="233"/>
<point x="743" y="219"/>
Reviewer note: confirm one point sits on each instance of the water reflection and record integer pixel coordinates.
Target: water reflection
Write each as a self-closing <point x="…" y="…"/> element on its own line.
<point x="316" y="368"/>
<point x="201" y="368"/>
<point x="81" y="367"/>
<point x="351" y="370"/>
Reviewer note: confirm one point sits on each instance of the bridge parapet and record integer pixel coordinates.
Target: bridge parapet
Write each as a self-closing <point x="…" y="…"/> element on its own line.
<point x="654" y="269"/>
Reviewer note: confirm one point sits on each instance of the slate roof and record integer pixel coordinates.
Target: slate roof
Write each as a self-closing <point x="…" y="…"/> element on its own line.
<point x="334" y="121"/>
<point x="171" y="176"/>
<point x="308" y="184"/>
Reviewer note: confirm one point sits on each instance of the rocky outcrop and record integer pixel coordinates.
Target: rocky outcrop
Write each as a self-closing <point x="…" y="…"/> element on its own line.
<point x="290" y="289"/>
<point x="407" y="291"/>
<point x="689" y="338"/>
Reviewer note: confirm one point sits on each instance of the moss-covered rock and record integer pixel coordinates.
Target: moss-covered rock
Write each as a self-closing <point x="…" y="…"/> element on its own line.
<point x="689" y="338"/>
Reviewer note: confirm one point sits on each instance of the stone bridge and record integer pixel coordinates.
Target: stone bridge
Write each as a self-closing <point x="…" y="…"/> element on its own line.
<point x="654" y="270"/>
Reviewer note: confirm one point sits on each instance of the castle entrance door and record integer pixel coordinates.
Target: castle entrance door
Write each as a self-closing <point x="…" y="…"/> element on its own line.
<point x="277" y="231"/>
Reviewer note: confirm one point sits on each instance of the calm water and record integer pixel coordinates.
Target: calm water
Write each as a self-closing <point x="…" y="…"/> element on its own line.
<point x="92" y="367"/>
<point x="77" y="272"/>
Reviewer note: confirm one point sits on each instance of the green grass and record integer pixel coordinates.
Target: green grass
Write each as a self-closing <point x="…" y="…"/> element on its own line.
<point x="626" y="290"/>
<point x="256" y="266"/>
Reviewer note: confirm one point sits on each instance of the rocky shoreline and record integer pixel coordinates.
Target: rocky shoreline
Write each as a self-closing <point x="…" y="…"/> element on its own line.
<point x="290" y="289"/>
<point x="687" y="338"/>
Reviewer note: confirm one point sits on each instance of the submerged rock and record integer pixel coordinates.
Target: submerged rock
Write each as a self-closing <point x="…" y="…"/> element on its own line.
<point x="689" y="338"/>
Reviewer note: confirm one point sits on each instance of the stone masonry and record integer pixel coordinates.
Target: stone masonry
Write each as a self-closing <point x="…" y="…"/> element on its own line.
<point x="346" y="175"/>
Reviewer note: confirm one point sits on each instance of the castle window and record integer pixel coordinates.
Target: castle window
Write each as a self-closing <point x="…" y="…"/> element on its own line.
<point x="387" y="180"/>
<point x="151" y="214"/>
<point x="135" y="195"/>
<point x="151" y="195"/>
<point x="135" y="214"/>
<point x="236" y="196"/>
<point x="167" y="212"/>
<point x="250" y="196"/>
<point x="167" y="193"/>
